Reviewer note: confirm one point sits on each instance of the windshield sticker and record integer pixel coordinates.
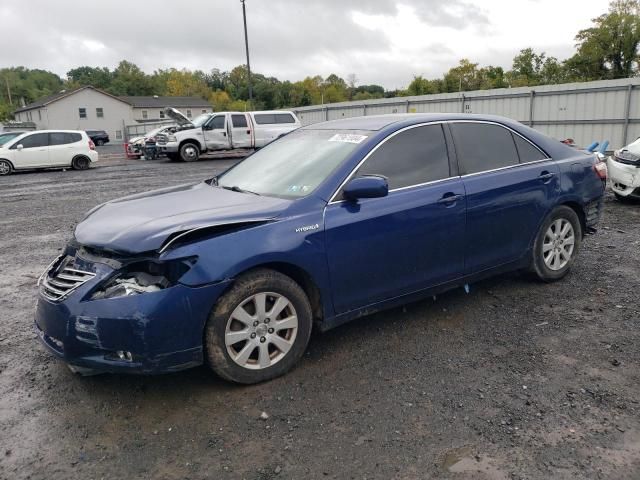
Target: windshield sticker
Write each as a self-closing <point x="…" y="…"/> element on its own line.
<point x="347" y="137"/>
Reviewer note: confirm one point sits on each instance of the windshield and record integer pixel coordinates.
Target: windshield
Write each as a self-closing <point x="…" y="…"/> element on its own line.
<point x="294" y="165"/>
<point x="5" y="137"/>
<point x="200" y="119"/>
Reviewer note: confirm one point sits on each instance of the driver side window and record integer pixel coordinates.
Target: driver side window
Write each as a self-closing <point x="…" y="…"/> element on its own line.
<point x="217" y="122"/>
<point x="33" y="141"/>
<point x="412" y="157"/>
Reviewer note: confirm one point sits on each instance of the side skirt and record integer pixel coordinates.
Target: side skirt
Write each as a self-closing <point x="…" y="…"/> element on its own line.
<point x="332" y="322"/>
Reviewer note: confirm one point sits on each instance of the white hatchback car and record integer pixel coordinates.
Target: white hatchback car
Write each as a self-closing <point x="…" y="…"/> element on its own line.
<point x="624" y="171"/>
<point x="48" y="149"/>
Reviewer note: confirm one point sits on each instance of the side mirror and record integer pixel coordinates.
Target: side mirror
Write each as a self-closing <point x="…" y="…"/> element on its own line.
<point x="367" y="186"/>
<point x="19" y="147"/>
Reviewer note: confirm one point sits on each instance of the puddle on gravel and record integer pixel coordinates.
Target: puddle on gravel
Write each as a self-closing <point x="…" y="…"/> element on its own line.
<point x="462" y="460"/>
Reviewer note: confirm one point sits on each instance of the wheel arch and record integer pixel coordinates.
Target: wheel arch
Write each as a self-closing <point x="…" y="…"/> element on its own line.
<point x="195" y="141"/>
<point x="13" y="167"/>
<point x="576" y="207"/>
<point x="298" y="275"/>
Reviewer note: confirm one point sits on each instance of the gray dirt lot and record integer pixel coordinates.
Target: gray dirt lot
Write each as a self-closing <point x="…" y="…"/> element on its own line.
<point x="517" y="379"/>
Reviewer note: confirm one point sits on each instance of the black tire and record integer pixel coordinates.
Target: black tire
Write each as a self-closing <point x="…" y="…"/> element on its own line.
<point x="539" y="266"/>
<point x="623" y="199"/>
<point x="80" y="163"/>
<point x="247" y="285"/>
<point x="99" y="143"/>
<point x="189" y="152"/>
<point x="5" y="167"/>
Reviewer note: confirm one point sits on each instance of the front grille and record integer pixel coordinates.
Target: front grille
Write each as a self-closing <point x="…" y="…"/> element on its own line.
<point x="59" y="280"/>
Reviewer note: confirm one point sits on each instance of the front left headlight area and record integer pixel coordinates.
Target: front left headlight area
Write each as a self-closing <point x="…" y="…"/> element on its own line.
<point x="142" y="277"/>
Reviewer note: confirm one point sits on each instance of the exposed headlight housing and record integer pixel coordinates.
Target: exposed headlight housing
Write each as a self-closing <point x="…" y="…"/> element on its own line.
<point x="171" y="138"/>
<point x="143" y="277"/>
<point x="625" y="156"/>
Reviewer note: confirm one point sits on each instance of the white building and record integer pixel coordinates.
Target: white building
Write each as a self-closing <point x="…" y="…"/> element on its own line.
<point x="88" y="108"/>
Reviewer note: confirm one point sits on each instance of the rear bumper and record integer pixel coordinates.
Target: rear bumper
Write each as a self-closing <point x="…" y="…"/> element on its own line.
<point x="625" y="179"/>
<point x="94" y="156"/>
<point x="592" y="214"/>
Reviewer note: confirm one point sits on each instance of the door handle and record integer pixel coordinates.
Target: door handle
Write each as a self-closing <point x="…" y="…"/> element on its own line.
<point x="546" y="176"/>
<point x="449" y="198"/>
<point x="224" y="134"/>
<point x="248" y="132"/>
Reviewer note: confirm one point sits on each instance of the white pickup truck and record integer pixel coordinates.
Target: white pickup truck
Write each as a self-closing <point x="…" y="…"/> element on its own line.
<point x="223" y="131"/>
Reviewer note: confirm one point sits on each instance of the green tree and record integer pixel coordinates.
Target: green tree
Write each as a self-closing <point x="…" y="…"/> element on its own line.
<point x="421" y="86"/>
<point x="466" y="76"/>
<point x="609" y="49"/>
<point x="129" y="79"/>
<point x="99" y="77"/>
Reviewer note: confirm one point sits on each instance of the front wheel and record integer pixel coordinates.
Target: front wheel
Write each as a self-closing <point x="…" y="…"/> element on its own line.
<point x="259" y="329"/>
<point x="557" y="244"/>
<point x="5" y="167"/>
<point x="189" y="152"/>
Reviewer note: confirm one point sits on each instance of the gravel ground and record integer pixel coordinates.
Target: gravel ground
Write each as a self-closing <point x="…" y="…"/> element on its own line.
<point x="516" y="379"/>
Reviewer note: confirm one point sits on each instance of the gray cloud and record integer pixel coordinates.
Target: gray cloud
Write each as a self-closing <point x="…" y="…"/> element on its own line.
<point x="289" y="39"/>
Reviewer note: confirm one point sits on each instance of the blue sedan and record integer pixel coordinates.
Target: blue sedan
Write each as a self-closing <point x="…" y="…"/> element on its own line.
<point x="329" y="223"/>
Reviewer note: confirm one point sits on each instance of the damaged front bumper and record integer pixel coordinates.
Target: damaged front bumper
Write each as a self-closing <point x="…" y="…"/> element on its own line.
<point x="625" y="178"/>
<point x="154" y="332"/>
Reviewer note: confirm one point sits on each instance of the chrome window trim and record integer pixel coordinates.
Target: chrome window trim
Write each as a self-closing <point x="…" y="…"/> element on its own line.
<point x="366" y="157"/>
<point x="505" y="168"/>
<point x="332" y="199"/>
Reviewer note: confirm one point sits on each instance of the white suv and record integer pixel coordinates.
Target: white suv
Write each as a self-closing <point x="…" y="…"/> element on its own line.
<point x="46" y="149"/>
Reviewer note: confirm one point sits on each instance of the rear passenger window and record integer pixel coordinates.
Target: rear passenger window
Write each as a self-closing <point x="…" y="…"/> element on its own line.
<point x="417" y="155"/>
<point x="264" y="118"/>
<point x="73" y="137"/>
<point x="526" y="151"/>
<point x="58" y="138"/>
<point x="239" y="120"/>
<point x="483" y="146"/>
<point x="284" y="118"/>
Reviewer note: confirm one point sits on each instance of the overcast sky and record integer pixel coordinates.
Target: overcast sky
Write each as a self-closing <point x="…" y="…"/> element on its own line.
<point x="380" y="41"/>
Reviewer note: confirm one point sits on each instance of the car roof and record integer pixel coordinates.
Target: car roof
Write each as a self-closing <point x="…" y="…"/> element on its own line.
<point x="56" y="131"/>
<point x="378" y="122"/>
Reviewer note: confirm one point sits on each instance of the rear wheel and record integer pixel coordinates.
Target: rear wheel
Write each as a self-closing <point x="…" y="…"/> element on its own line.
<point x="80" y="163"/>
<point x="5" y="167"/>
<point x="189" y="152"/>
<point x="622" y="198"/>
<point x="259" y="329"/>
<point x="557" y="244"/>
<point x="99" y="142"/>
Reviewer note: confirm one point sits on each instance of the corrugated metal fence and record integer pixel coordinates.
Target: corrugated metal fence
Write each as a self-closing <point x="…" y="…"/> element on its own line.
<point x="603" y="110"/>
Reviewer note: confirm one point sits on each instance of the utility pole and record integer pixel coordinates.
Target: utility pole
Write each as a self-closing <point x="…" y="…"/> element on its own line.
<point x="6" y="80"/>
<point x="246" y="46"/>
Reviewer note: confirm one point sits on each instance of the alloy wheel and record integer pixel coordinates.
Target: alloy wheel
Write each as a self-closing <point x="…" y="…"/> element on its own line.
<point x="558" y="244"/>
<point x="261" y="330"/>
<point x="5" y="168"/>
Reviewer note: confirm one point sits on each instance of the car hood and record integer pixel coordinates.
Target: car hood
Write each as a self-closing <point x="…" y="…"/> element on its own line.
<point x="143" y="222"/>
<point x="177" y="116"/>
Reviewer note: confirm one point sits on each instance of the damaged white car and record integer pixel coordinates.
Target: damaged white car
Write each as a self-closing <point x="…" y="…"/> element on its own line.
<point x="624" y="171"/>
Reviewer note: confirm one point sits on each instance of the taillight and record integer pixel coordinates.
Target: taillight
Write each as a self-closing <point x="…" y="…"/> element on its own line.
<point x="600" y="167"/>
<point x="92" y="146"/>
